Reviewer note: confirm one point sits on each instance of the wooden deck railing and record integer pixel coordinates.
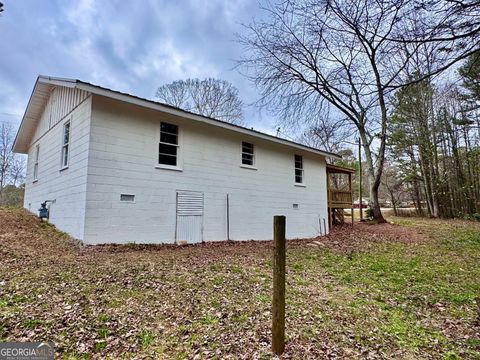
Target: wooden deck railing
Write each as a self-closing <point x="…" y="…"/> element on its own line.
<point x="340" y="198"/>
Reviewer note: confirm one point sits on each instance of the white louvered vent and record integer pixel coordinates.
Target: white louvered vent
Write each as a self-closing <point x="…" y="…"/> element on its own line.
<point x="62" y="101"/>
<point x="189" y="203"/>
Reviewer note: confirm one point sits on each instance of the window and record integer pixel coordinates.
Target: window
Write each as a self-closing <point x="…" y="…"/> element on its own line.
<point x="248" y="155"/>
<point x="298" y="169"/>
<point x="35" y="166"/>
<point x="127" y="197"/>
<point x="168" y="147"/>
<point x="66" y="144"/>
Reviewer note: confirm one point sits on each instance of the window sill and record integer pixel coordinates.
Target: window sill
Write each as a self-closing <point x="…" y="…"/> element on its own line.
<point x="168" y="167"/>
<point x="63" y="168"/>
<point x="251" y="167"/>
<point x="300" y="185"/>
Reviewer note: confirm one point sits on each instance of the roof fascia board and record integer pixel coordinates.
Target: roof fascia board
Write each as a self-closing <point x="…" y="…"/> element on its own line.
<point x="57" y="81"/>
<point x="22" y="123"/>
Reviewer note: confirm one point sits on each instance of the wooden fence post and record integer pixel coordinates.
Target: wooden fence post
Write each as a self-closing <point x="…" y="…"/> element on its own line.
<point x="278" y="301"/>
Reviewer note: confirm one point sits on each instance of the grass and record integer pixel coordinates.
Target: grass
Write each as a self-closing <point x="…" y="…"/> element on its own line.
<point x="147" y="338"/>
<point x="379" y="291"/>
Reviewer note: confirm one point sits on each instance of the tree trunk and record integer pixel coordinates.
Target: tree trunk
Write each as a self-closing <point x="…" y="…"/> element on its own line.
<point x="394" y="203"/>
<point x="434" y="193"/>
<point x="418" y="201"/>
<point x="374" y="180"/>
<point x="377" y="211"/>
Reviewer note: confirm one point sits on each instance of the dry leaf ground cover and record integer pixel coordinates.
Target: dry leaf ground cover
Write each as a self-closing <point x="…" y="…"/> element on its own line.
<point x="403" y="291"/>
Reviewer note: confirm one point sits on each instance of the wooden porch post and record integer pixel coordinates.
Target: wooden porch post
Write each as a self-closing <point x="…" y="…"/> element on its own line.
<point x="351" y="194"/>
<point x="328" y="201"/>
<point x="278" y="300"/>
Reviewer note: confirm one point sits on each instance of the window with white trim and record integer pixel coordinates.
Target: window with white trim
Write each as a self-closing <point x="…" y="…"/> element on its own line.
<point x="35" y="166"/>
<point x="66" y="144"/>
<point x="248" y="153"/>
<point x="298" y="169"/>
<point x="168" y="148"/>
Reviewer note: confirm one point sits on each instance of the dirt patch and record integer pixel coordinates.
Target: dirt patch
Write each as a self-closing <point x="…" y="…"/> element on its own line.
<point x="379" y="232"/>
<point x="25" y="229"/>
<point x="342" y="238"/>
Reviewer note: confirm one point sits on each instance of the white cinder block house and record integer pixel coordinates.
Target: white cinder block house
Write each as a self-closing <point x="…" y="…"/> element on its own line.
<point x="118" y="168"/>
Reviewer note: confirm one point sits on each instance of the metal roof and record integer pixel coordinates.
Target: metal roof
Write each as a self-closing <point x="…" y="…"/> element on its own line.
<point x="336" y="169"/>
<point x="45" y="84"/>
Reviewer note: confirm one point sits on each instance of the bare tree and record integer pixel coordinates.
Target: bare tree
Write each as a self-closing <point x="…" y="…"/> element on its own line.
<point x="351" y="55"/>
<point x="394" y="185"/>
<point x="327" y="134"/>
<point x="6" y="153"/>
<point x="210" y="97"/>
<point x="17" y="170"/>
<point x="175" y="94"/>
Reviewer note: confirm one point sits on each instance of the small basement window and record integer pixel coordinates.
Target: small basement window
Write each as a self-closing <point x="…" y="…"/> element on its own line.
<point x="127" y="197"/>
<point x="168" y="146"/>
<point x="248" y="153"/>
<point x="298" y="169"/>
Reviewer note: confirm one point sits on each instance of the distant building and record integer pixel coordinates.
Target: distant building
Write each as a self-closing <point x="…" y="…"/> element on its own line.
<point x="365" y="202"/>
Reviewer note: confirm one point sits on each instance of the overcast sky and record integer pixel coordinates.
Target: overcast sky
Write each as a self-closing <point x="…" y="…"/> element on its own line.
<point x="128" y="46"/>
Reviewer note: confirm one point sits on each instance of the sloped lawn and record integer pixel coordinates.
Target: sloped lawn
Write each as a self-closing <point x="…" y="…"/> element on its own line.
<point x="403" y="291"/>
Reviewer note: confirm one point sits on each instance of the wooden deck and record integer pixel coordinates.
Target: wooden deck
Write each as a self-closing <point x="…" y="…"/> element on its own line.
<point x="340" y="199"/>
<point x="340" y="194"/>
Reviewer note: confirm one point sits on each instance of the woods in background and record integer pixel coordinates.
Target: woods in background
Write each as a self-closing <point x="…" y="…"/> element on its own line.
<point x="435" y="143"/>
<point x="433" y="147"/>
<point x="12" y="169"/>
<point x="312" y="59"/>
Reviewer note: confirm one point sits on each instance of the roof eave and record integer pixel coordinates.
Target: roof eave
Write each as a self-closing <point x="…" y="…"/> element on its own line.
<point x="16" y="148"/>
<point x="41" y="79"/>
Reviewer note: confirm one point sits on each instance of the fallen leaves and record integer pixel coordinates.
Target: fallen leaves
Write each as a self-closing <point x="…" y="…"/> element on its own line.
<point x="213" y="300"/>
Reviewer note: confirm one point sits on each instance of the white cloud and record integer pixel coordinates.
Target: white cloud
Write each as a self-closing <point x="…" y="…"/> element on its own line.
<point x="131" y="47"/>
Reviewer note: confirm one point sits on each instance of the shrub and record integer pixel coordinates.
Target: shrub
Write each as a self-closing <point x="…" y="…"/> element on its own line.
<point x="12" y="196"/>
<point x="472" y="217"/>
